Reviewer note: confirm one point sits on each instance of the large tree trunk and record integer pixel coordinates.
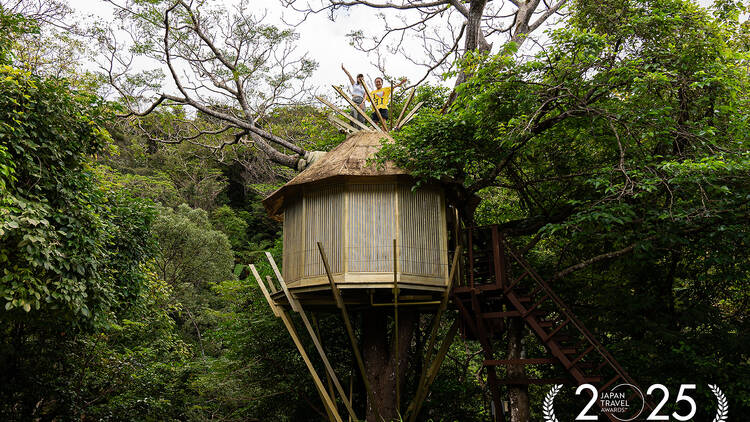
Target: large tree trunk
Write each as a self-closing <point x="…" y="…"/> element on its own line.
<point x="518" y="394"/>
<point x="380" y="361"/>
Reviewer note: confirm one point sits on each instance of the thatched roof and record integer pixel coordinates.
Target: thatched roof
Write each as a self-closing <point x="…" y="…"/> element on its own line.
<point x="350" y="158"/>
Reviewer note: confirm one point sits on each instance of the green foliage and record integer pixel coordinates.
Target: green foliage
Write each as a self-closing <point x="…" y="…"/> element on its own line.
<point x="73" y="252"/>
<point x="191" y="252"/>
<point x="54" y="222"/>
<point x="234" y="227"/>
<point x="624" y="146"/>
<point x="11" y="26"/>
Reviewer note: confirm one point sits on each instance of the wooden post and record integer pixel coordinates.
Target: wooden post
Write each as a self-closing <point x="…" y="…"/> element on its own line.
<point x="270" y="284"/>
<point x="341" y="112"/>
<point x="443" y="304"/>
<point x="341" y="124"/>
<point x="351" y="103"/>
<point x="284" y="315"/>
<point x="406" y="104"/>
<point x="349" y="330"/>
<point x="421" y="395"/>
<point x="396" y="354"/>
<point x="320" y="350"/>
<point x="276" y="271"/>
<point x="423" y="383"/>
<point x="410" y="115"/>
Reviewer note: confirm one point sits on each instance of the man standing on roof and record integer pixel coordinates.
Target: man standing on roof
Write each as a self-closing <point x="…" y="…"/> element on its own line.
<point x="382" y="97"/>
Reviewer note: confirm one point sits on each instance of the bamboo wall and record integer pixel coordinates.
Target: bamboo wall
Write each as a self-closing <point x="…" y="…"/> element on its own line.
<point x="357" y="222"/>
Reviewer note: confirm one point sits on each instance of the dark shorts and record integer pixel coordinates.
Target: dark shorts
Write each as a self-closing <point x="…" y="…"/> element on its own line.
<point x="383" y="112"/>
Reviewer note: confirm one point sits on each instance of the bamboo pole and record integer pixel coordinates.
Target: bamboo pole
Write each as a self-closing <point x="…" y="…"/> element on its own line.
<point x="349" y="330"/>
<point x="396" y="354"/>
<point x="321" y="352"/>
<point x="422" y="390"/>
<point x="284" y="315"/>
<point x="341" y="112"/>
<point x="403" y="109"/>
<point x="341" y="124"/>
<point x="270" y="284"/>
<point x="351" y="103"/>
<point x="410" y="115"/>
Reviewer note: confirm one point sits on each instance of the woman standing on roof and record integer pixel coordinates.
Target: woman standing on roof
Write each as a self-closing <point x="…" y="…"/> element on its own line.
<point x="357" y="91"/>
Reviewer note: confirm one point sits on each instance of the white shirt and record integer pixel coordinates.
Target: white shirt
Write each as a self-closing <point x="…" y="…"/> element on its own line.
<point x="357" y="91"/>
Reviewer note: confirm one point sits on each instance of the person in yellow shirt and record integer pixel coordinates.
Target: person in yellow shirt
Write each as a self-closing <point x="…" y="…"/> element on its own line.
<point x="381" y="97"/>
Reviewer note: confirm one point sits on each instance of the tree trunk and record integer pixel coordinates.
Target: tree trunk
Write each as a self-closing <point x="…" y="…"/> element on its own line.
<point x="380" y="361"/>
<point x="518" y="394"/>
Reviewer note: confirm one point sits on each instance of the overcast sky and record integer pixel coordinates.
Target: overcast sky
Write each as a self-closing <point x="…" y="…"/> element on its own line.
<point x="324" y="40"/>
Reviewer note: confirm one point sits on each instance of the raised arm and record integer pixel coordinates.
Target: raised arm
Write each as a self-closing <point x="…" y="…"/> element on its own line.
<point x="351" y="80"/>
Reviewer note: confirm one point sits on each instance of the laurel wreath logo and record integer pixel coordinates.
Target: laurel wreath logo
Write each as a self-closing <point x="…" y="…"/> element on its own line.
<point x="722" y="408"/>
<point x="548" y="410"/>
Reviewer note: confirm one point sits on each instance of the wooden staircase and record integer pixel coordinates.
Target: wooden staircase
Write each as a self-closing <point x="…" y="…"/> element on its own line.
<point x="499" y="284"/>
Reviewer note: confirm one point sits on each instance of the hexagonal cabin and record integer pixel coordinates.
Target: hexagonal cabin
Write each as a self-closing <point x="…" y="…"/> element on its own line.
<point x="356" y="209"/>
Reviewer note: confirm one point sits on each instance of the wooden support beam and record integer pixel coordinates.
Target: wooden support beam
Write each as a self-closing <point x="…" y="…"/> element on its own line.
<point x="353" y="104"/>
<point x="284" y="315"/>
<point x="416" y="405"/>
<point x="349" y="330"/>
<point x="406" y="105"/>
<point x="341" y="124"/>
<point x="274" y="307"/>
<point x="343" y="113"/>
<point x="322" y="353"/>
<point x="443" y="304"/>
<point x="276" y="271"/>
<point x="528" y="361"/>
<point x="410" y="116"/>
<point x="270" y="284"/>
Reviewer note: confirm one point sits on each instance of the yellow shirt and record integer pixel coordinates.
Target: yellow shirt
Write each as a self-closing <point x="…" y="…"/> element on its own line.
<point x="381" y="97"/>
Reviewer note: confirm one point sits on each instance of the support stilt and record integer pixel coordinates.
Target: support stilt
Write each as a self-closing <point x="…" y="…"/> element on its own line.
<point x="286" y="319"/>
<point x="350" y="331"/>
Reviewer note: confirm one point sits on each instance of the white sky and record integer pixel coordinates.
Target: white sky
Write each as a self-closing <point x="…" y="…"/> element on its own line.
<point x="324" y="40"/>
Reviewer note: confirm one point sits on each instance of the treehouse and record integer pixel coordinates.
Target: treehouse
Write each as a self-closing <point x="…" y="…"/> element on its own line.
<point x="356" y="209"/>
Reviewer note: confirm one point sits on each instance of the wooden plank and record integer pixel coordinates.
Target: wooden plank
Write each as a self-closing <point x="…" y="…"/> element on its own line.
<point x="406" y="105"/>
<point x="270" y="301"/>
<point x="363" y="113"/>
<point x="281" y="280"/>
<point x="410" y="116"/>
<point x="341" y="124"/>
<point x="349" y="330"/>
<point x="343" y="113"/>
<point x="318" y="383"/>
<point x="270" y="284"/>
<point x="284" y="315"/>
<point x="527" y="361"/>
<point x="322" y="353"/>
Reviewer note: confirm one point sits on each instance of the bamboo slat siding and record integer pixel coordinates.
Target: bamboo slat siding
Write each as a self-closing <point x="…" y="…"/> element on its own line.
<point x="371" y="228"/>
<point x="357" y="222"/>
<point x="420" y="223"/>
<point x="293" y="242"/>
<point x="324" y="215"/>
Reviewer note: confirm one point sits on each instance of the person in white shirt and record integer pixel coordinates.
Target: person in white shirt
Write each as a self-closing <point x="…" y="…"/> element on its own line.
<point x="357" y="90"/>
